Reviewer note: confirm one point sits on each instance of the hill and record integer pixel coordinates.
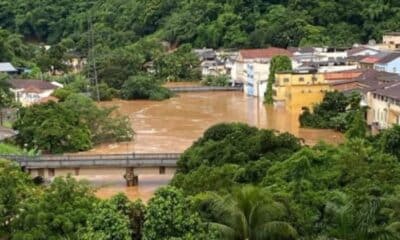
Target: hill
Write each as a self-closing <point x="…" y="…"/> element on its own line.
<point x="206" y="23"/>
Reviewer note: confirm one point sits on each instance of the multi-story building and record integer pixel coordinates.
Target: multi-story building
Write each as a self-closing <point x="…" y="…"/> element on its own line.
<point x="252" y="69"/>
<point x="298" y="89"/>
<point x="389" y="63"/>
<point x="391" y="40"/>
<point x="384" y="106"/>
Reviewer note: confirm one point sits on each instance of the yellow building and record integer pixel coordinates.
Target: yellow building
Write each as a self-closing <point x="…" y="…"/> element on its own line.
<point x="299" y="89"/>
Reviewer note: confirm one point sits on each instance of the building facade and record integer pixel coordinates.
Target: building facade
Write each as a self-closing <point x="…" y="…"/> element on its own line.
<point x="384" y="107"/>
<point x="389" y="63"/>
<point x="391" y="40"/>
<point x="296" y="90"/>
<point x="252" y="69"/>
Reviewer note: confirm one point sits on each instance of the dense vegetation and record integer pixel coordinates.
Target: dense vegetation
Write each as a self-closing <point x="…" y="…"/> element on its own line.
<point x="236" y="182"/>
<point x="336" y="111"/>
<point x="322" y="192"/>
<point x="216" y="81"/>
<point x="209" y="23"/>
<point x="133" y="38"/>
<point x="75" y="124"/>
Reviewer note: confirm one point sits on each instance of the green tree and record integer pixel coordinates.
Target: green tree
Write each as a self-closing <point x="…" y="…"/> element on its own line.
<point x="389" y="141"/>
<point x="62" y="209"/>
<point x="69" y="126"/>
<point x="358" y="126"/>
<point x="278" y="64"/>
<point x="250" y="213"/>
<point x="335" y="111"/>
<point x="6" y="96"/>
<point x="52" y="128"/>
<point x="134" y="211"/>
<point x="15" y="188"/>
<point x="180" y="65"/>
<point x="106" y="222"/>
<point x="169" y="216"/>
<point x="144" y="87"/>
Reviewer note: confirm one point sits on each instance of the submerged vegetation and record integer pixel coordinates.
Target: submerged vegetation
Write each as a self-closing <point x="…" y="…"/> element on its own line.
<point x="75" y="124"/>
<point x="336" y="111"/>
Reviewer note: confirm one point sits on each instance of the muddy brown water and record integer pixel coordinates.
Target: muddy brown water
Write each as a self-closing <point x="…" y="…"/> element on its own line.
<point x="172" y="125"/>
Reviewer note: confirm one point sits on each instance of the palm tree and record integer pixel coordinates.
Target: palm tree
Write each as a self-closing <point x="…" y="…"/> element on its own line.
<point x="250" y="213"/>
<point x="351" y="224"/>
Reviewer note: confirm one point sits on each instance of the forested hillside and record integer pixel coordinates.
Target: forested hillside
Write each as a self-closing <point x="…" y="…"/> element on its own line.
<point x="210" y="23"/>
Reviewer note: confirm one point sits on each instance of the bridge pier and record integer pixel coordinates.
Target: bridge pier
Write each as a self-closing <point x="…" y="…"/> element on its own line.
<point x="130" y="177"/>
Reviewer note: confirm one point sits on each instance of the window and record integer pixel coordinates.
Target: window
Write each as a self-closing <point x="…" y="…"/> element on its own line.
<point x="286" y="80"/>
<point x="314" y="79"/>
<point x="301" y="79"/>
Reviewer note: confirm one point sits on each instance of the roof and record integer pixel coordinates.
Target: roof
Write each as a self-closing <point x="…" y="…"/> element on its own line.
<point x="369" y="80"/>
<point x="343" y="75"/>
<point x="206" y="53"/>
<point x="392" y="91"/>
<point x="6" y="133"/>
<point x="370" y="60"/>
<point x="264" y="53"/>
<point x="7" y="67"/>
<point x="389" y="58"/>
<point x="392" y="34"/>
<point x="359" y="49"/>
<point x="30" y="84"/>
<point x="301" y="49"/>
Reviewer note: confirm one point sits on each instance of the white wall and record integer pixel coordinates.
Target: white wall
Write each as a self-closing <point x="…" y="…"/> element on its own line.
<point x="325" y="69"/>
<point x="27" y="99"/>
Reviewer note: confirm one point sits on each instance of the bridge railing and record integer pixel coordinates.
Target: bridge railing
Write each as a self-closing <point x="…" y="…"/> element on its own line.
<point x="109" y="160"/>
<point x="204" y="89"/>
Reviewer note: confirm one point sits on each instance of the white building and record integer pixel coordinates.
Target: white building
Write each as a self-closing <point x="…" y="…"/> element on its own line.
<point x="252" y="69"/>
<point x="29" y="92"/>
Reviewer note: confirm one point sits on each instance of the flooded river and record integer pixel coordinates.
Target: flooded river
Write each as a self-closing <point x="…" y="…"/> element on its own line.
<point x="171" y="126"/>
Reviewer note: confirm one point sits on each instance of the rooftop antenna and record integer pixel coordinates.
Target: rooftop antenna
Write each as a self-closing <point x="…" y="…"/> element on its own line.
<point x="91" y="57"/>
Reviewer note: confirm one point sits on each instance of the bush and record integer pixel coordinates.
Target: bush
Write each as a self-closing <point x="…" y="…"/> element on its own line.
<point x="144" y="87"/>
<point x="336" y="111"/>
<point x="216" y="81"/>
<point x="70" y="126"/>
<point x="106" y="93"/>
<point x="237" y="143"/>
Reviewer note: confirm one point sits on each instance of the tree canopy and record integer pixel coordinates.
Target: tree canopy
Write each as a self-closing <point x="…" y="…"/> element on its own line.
<point x="207" y="23"/>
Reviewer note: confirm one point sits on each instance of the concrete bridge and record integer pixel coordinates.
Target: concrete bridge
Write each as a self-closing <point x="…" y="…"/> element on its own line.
<point x="129" y="165"/>
<point x="204" y="89"/>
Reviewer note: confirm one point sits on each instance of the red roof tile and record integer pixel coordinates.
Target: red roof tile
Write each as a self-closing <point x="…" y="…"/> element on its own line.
<point x="264" y="53"/>
<point x="343" y="75"/>
<point x="370" y="60"/>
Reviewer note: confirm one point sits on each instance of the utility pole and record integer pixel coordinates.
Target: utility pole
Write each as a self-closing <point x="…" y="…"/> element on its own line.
<point x="91" y="58"/>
